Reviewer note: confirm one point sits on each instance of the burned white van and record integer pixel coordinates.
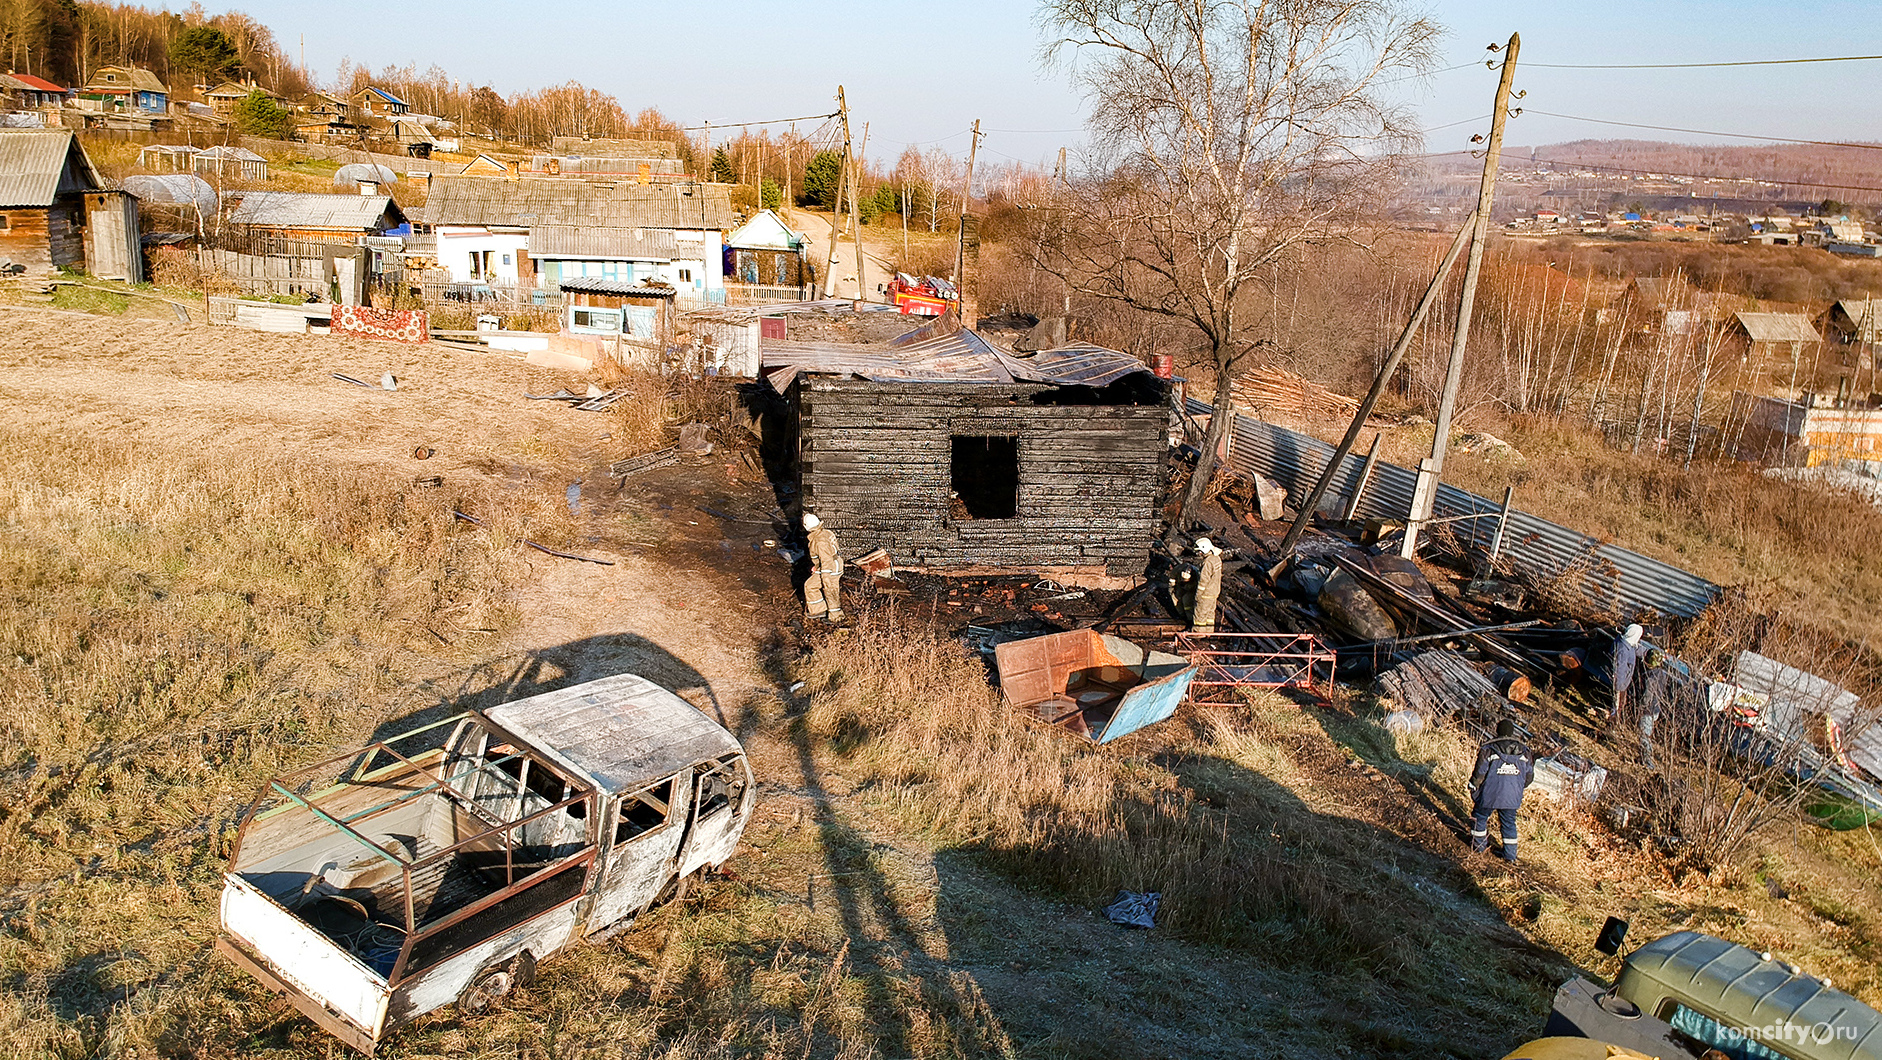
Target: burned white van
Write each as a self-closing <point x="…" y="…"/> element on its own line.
<point x="441" y="865"/>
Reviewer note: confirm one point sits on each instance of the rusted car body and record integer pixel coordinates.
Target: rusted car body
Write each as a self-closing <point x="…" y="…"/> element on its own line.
<point x="441" y="865"/>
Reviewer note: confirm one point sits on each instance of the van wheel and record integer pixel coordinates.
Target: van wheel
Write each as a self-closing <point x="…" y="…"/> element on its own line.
<point x="492" y="984"/>
<point x="484" y="991"/>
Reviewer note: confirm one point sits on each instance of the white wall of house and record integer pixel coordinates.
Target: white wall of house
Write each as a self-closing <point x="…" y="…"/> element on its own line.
<point x="496" y="254"/>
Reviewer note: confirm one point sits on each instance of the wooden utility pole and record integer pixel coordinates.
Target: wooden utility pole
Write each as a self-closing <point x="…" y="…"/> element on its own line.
<point x="836" y="203"/>
<point x="1308" y="505"/>
<point x="1425" y="493"/>
<point x="856" y="217"/>
<point x="960" y="250"/>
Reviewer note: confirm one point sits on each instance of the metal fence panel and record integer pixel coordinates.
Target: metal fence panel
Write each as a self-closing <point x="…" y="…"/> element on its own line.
<point x="1608" y="579"/>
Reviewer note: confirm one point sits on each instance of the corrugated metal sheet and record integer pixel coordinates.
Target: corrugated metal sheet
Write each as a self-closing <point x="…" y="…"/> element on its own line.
<point x="288" y="209"/>
<point x="619" y="732"/>
<point x="1778" y="327"/>
<point x="613" y="244"/>
<point x="1608" y="579"/>
<point x="1081" y="364"/>
<point x="600" y="285"/>
<point x="30" y="163"/>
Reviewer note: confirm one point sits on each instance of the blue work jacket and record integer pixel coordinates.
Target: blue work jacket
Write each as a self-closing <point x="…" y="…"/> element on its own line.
<point x="1504" y="768"/>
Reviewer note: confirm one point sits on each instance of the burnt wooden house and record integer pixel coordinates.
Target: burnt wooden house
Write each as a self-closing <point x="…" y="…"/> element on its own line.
<point x="954" y="454"/>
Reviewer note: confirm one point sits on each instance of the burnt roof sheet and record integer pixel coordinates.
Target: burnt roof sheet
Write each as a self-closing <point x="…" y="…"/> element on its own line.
<point x="944" y="352"/>
<point x="620" y="733"/>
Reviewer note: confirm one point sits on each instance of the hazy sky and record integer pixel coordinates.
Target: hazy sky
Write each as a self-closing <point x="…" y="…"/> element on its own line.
<point x="924" y="72"/>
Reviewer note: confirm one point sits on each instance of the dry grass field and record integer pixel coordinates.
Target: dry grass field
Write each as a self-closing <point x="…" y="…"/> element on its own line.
<point x="219" y="562"/>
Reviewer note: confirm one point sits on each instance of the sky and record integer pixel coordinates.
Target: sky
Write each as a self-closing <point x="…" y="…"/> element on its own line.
<point x="923" y="73"/>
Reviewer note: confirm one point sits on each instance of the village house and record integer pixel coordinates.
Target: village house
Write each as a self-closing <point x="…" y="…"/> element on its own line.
<point x="378" y="103"/>
<point x="1816" y="430"/>
<point x="323" y="118"/>
<point x="486" y="166"/>
<point x="26" y="92"/>
<point x="539" y="232"/>
<point x="765" y="253"/>
<point x="1658" y="304"/>
<point x="953" y="454"/>
<point x="1773" y="339"/>
<point x="225" y="97"/>
<point x="56" y="213"/>
<point x="1852" y="322"/>
<point x="125" y="90"/>
<point x="315" y="218"/>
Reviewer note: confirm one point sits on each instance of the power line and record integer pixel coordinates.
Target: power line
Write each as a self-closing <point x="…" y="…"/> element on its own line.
<point x="749" y="124"/>
<point x="1706" y="176"/>
<point x="1695" y="66"/>
<point x="1708" y="132"/>
<point x="1455" y="124"/>
<point x="1434" y="73"/>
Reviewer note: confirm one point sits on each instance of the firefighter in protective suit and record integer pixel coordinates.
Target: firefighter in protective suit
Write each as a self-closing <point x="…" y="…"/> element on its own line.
<point x="823" y="590"/>
<point x="1208" y="587"/>
<point x="1505" y="766"/>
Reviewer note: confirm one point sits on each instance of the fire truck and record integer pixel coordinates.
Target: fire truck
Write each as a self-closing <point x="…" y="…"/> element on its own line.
<point x="929" y="296"/>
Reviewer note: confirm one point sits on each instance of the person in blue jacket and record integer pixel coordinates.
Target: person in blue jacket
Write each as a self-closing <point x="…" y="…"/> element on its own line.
<point x="1505" y="766"/>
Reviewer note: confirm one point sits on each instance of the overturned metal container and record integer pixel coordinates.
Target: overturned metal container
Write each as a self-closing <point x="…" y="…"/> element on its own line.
<point x="1096" y="685"/>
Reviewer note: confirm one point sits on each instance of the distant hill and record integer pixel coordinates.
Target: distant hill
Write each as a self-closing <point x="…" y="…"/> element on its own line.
<point x="1583" y="172"/>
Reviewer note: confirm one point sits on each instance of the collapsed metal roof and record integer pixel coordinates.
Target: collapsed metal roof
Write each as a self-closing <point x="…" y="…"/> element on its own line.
<point x="944" y="352"/>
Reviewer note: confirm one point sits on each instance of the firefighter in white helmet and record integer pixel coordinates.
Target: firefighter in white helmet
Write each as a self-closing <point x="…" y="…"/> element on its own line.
<point x="1208" y="587"/>
<point x="822" y="590"/>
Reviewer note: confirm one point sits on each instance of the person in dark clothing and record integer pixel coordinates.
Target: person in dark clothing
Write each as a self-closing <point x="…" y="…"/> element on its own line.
<point x="1626" y="655"/>
<point x="1505" y="766"/>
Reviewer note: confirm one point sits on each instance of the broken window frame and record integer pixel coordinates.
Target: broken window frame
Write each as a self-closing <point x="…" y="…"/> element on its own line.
<point x="645" y="797"/>
<point x="728" y="775"/>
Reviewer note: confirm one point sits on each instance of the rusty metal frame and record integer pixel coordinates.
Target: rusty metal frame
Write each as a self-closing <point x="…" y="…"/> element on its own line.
<point x="1223" y="661"/>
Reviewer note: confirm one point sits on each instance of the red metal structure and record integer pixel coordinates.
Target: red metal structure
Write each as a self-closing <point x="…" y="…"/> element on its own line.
<point x="1228" y="662"/>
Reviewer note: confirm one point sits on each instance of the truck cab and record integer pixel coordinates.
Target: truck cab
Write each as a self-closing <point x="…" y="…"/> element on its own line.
<point x="441" y="865"/>
<point x="1693" y="995"/>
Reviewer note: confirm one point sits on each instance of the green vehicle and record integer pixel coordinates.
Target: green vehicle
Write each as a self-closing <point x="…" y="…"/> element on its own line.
<point x="1693" y="995"/>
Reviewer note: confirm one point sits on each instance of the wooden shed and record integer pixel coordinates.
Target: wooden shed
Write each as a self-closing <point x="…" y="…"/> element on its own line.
<point x="953" y="454"/>
<point x="615" y="308"/>
<point x="55" y="213"/>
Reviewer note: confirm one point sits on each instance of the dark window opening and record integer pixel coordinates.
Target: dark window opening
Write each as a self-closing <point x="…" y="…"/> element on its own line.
<point x="644" y="812"/>
<point x="984" y="477"/>
<point x="722" y="787"/>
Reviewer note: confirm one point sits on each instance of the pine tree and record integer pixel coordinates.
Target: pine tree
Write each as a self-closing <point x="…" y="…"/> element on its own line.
<point x="722" y="168"/>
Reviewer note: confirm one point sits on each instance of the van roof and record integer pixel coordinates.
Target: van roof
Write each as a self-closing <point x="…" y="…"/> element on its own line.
<point x="620" y="733"/>
<point x="1740" y="987"/>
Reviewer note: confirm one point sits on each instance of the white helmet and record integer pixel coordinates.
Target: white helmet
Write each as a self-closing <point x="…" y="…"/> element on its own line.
<point x="1204" y="545"/>
<point x="811" y="522"/>
<point x="1633" y="634"/>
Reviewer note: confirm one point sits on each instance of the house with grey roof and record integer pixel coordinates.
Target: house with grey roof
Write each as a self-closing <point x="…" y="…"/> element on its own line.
<point x="533" y="234"/>
<point x="316" y="218"/>
<point x="56" y="213"/>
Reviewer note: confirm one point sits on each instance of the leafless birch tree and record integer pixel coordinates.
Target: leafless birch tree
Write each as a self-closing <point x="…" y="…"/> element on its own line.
<point x="1225" y="134"/>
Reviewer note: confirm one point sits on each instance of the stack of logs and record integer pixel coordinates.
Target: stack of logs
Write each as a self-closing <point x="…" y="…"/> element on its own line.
<point x="1278" y="390"/>
<point x="1439" y="684"/>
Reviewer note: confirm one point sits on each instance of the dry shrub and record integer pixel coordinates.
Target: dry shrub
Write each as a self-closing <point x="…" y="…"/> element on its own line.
<point x="177" y="268"/>
<point x="176" y="630"/>
<point x="913" y="712"/>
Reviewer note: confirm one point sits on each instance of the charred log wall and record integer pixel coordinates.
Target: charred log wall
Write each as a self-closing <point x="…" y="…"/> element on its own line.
<point x="879" y="460"/>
